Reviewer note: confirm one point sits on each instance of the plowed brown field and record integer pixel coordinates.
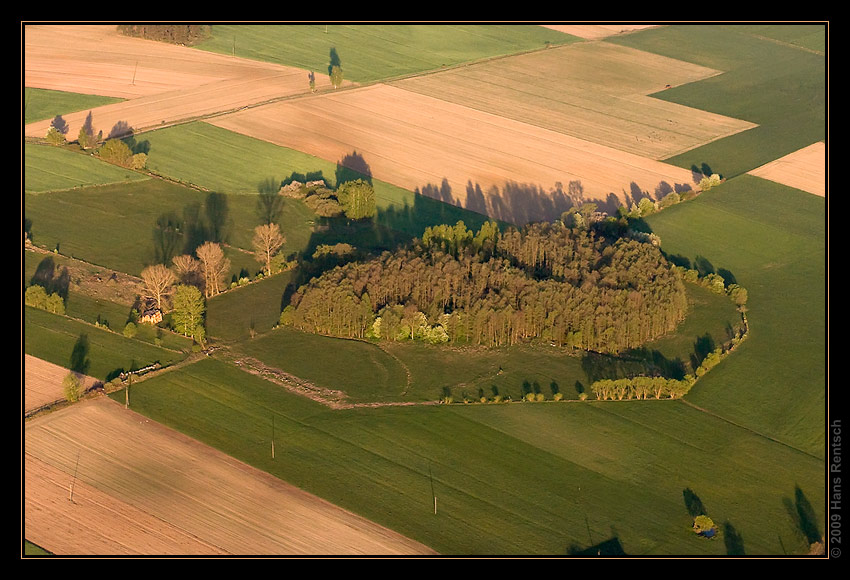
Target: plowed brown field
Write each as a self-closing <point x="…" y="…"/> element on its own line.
<point x="413" y="141"/>
<point x="43" y="382"/>
<point x="804" y="169"/>
<point x="104" y="480"/>
<point x="163" y="83"/>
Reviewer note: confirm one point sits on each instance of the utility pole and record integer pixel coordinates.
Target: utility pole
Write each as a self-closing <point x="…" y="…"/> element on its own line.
<point x="272" y="436"/>
<point x="73" y="480"/>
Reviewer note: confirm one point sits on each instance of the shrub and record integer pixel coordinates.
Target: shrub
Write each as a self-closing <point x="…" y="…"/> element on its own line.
<point x="130" y="330"/>
<point x="54" y="137"/>
<point x="72" y="388"/>
<point x="117" y="152"/>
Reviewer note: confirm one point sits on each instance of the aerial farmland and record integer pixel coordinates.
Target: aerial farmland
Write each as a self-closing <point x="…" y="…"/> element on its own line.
<point x="426" y="291"/>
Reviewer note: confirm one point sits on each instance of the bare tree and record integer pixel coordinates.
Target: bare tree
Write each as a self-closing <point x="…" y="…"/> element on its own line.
<point x="187" y="269"/>
<point x="214" y="267"/>
<point x="158" y="281"/>
<point x="267" y="242"/>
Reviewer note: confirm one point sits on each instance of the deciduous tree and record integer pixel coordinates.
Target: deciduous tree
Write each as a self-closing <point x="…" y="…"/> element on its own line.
<point x="158" y="283"/>
<point x="267" y="242"/>
<point x="214" y="267"/>
<point x="188" y="314"/>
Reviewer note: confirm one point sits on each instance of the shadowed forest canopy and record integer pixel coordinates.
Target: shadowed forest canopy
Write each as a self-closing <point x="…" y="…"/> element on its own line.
<point x="545" y="282"/>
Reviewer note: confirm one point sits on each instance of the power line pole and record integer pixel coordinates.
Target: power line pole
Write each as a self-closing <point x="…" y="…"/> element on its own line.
<point x="73" y="480"/>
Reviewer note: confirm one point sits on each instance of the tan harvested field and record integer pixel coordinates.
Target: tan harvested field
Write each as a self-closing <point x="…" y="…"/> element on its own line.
<point x="597" y="31"/>
<point x="594" y="91"/>
<point x="804" y="169"/>
<point x="415" y="141"/>
<point x="141" y="488"/>
<point x="163" y="83"/>
<point x="43" y="383"/>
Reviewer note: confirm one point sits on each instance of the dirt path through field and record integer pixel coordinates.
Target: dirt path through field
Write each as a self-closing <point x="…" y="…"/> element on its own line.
<point x="140" y="487"/>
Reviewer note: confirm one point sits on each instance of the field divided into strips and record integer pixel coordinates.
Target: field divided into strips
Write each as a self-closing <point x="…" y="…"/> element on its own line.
<point x="419" y="142"/>
<point x="595" y="91"/>
<point x="162" y="83"/>
<point x="771" y="78"/>
<point x="509" y="479"/>
<point x="804" y="169"/>
<point x="141" y="488"/>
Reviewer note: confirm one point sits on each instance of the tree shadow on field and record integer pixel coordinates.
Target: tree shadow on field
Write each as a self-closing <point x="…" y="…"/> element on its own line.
<point x="610" y="547"/>
<point x="46" y="276"/>
<point x="733" y="540"/>
<point x="693" y="503"/>
<point x="351" y="168"/>
<point x="80" y="362"/>
<point x="121" y="130"/>
<point x="803" y="516"/>
<point x="703" y="346"/>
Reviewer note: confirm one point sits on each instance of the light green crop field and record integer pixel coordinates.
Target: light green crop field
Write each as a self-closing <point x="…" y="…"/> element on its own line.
<point x="52" y="168"/>
<point x="372" y="52"/>
<point x="42" y="104"/>
<point x="772" y="239"/>
<point x="508" y="479"/>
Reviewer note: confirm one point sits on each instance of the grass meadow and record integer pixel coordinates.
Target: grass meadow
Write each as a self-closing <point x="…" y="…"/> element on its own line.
<point x="56" y="338"/>
<point x="512" y="479"/>
<point x="772" y="239"/>
<point x="53" y="168"/>
<point x="43" y="104"/>
<point x="368" y="53"/>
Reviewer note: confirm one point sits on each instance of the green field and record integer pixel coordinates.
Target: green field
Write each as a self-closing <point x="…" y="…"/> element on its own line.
<point x="772" y="239"/>
<point x="369" y="53"/>
<point x="509" y="479"/>
<point x="51" y="168"/>
<point x="54" y="338"/>
<point x="779" y="86"/>
<point x="42" y="104"/>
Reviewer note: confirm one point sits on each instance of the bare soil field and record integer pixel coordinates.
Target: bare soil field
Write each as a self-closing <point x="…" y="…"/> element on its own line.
<point x="163" y="83"/>
<point x="597" y="31"/>
<point x="43" y="383"/>
<point x="418" y="142"/>
<point x="803" y="169"/>
<point x="141" y="488"/>
<point x="594" y="91"/>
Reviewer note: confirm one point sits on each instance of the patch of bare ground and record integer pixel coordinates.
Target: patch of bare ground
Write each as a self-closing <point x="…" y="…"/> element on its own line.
<point x="100" y="479"/>
<point x="804" y="169"/>
<point x="597" y="31"/>
<point x="43" y="383"/>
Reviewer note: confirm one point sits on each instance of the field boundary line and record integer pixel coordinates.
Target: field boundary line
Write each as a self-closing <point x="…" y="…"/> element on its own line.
<point x="750" y="429"/>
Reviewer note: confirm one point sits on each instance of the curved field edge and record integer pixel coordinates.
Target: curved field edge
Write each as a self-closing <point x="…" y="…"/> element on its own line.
<point x="772" y="239"/>
<point x="510" y="479"/>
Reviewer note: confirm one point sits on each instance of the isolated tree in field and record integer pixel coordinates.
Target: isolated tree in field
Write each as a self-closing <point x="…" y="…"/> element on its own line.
<point x="72" y="388"/>
<point x="357" y="199"/>
<point x="335" y="69"/>
<point x="188" y="313"/>
<point x="158" y="281"/>
<point x="267" y="242"/>
<point x="214" y="267"/>
<point x="86" y="137"/>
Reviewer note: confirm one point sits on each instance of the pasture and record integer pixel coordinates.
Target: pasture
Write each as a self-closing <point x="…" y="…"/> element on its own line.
<point x="368" y="53"/>
<point x="517" y="479"/>
<point x="771" y="238"/>
<point x="54" y="169"/>
<point x="42" y="104"/>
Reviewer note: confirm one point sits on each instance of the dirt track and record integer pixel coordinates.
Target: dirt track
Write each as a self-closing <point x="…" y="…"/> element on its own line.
<point x="141" y="488"/>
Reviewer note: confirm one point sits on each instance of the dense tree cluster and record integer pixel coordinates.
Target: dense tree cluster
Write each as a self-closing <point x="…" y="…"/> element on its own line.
<point x="174" y="33"/>
<point x="546" y="282"/>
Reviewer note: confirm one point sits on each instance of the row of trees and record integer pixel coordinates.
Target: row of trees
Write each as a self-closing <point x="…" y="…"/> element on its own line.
<point x="354" y="199"/>
<point x="112" y="150"/>
<point x="545" y="282"/>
